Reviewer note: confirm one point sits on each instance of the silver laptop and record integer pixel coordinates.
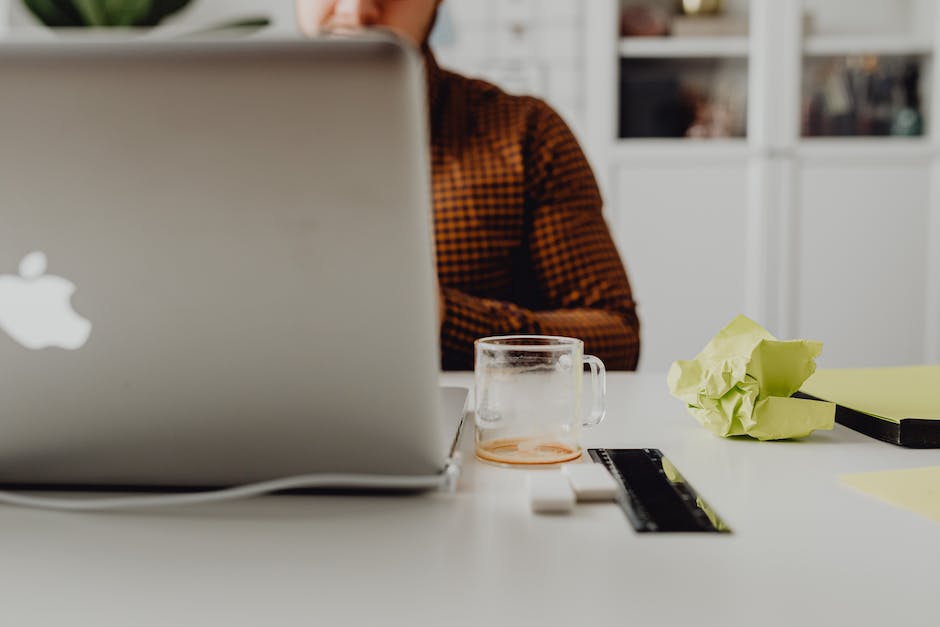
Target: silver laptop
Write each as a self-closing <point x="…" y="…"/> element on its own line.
<point x="216" y="264"/>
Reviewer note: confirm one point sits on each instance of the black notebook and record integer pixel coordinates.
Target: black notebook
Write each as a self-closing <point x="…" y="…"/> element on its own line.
<point x="898" y="405"/>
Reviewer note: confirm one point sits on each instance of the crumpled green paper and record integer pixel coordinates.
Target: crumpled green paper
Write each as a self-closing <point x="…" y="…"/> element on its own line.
<point x="741" y="382"/>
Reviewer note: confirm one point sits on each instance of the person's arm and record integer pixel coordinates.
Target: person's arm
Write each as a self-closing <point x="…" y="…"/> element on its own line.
<point x="577" y="270"/>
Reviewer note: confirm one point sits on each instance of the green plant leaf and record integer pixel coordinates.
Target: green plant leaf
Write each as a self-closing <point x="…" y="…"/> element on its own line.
<point x="55" y="13"/>
<point x="92" y="12"/>
<point x="126" y="12"/>
<point x="241" y="26"/>
<point x="161" y="9"/>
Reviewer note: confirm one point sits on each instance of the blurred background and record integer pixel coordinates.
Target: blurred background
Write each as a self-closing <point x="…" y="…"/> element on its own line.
<point x="770" y="157"/>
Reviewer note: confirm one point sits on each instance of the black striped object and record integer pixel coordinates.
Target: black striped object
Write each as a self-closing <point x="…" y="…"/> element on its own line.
<point x="655" y="497"/>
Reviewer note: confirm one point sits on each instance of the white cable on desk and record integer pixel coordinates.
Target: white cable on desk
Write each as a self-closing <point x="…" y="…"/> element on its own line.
<point x="446" y="479"/>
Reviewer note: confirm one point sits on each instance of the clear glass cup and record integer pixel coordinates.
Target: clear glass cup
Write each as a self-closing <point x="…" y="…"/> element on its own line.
<point x="528" y="398"/>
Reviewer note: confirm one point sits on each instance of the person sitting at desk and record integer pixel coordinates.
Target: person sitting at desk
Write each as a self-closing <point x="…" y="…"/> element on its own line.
<point x="522" y="246"/>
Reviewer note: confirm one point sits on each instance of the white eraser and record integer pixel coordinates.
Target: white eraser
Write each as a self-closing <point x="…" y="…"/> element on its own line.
<point x="591" y="482"/>
<point x="550" y="492"/>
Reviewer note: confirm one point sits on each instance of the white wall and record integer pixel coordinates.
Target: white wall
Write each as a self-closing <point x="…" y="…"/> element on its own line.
<point x="526" y="46"/>
<point x="857" y="238"/>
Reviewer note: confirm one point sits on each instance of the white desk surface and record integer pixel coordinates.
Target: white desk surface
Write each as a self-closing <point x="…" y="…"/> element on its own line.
<point x="805" y="550"/>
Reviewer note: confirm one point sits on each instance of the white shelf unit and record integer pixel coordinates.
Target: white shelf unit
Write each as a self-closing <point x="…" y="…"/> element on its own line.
<point x="682" y="47"/>
<point x="844" y="45"/>
<point x="831" y="238"/>
<point x="681" y="149"/>
<point x="860" y="149"/>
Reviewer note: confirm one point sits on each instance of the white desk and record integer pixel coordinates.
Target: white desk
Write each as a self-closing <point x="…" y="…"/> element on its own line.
<point x="805" y="550"/>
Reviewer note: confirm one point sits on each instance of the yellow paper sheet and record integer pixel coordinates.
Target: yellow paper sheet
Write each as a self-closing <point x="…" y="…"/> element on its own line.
<point x="888" y="393"/>
<point x="916" y="489"/>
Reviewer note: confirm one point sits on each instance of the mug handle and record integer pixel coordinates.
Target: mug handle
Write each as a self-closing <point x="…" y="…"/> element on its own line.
<point x="599" y="388"/>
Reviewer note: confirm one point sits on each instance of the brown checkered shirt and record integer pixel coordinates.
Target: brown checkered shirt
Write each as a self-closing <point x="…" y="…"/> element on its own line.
<point x="522" y="246"/>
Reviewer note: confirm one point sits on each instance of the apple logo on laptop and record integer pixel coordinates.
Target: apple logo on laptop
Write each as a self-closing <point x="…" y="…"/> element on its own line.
<point x="36" y="308"/>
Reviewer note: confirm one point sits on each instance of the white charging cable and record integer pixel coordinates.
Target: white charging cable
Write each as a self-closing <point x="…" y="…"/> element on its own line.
<point x="446" y="480"/>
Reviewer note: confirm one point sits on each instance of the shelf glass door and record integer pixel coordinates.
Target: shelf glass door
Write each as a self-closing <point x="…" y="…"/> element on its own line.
<point x="864" y="67"/>
<point x="683" y="69"/>
<point x="865" y="95"/>
<point x="690" y="98"/>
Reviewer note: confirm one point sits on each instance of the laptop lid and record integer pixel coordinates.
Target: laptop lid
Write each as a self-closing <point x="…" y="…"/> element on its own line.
<point x="215" y="263"/>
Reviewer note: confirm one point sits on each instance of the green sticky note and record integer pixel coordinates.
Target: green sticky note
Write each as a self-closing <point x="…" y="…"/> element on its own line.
<point x="892" y="394"/>
<point x="914" y="489"/>
<point x="741" y="382"/>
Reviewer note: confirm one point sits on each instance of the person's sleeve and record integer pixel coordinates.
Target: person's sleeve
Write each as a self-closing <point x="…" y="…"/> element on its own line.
<point x="577" y="270"/>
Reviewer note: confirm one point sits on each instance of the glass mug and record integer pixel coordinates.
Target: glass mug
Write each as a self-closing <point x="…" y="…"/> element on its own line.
<point x="528" y="398"/>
